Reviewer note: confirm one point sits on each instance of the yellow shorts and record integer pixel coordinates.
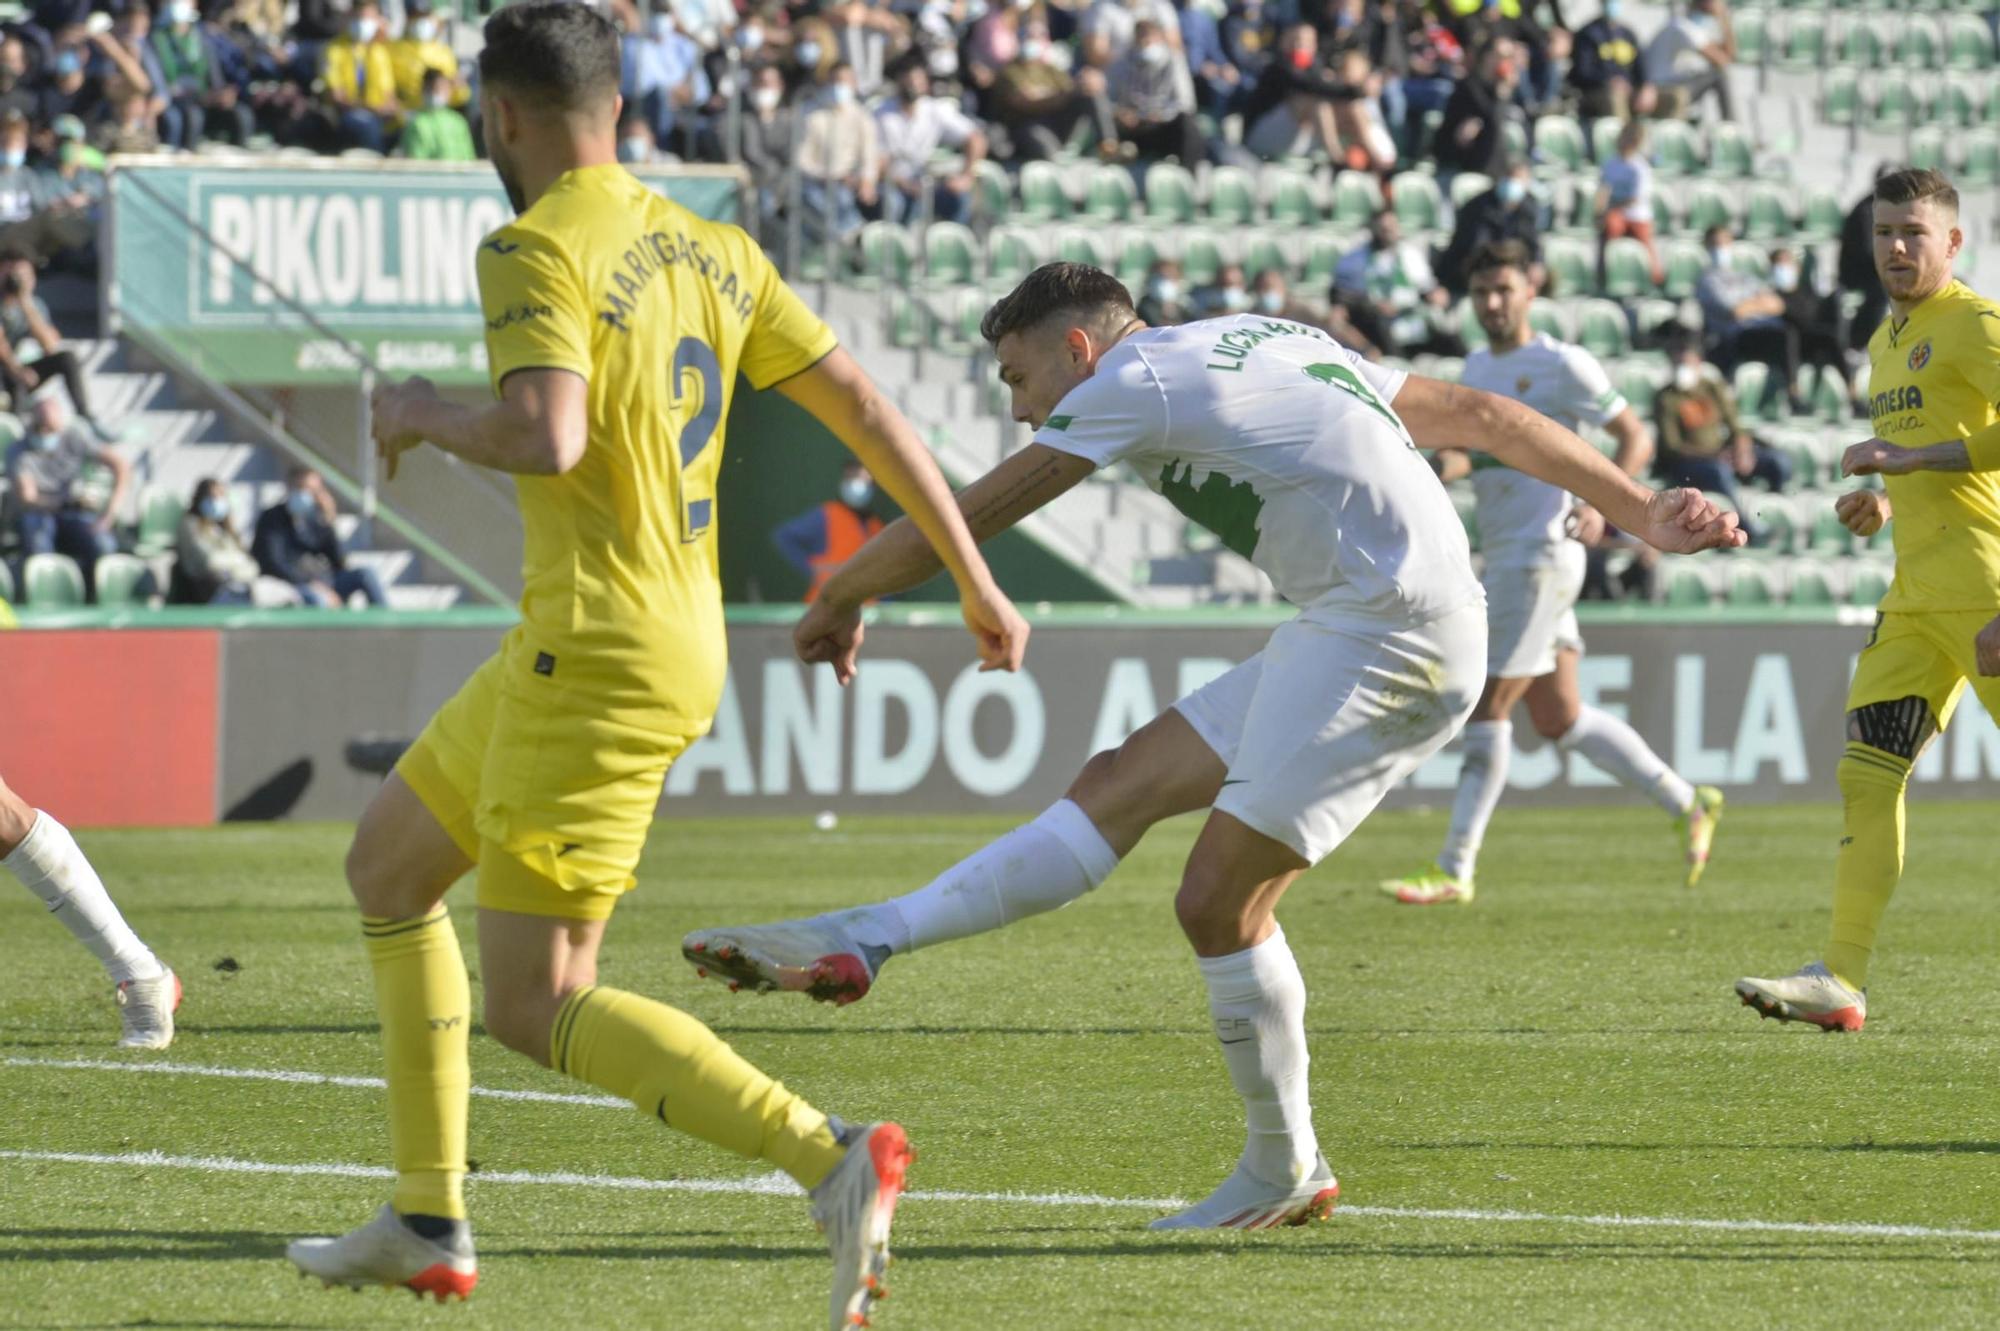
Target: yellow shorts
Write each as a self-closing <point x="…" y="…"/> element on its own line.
<point x="1929" y="656"/>
<point x="552" y="802"/>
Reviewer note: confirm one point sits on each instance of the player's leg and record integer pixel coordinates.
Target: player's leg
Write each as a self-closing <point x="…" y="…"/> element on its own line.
<point x="1555" y="705"/>
<point x="1903" y="693"/>
<point x="1342" y="718"/>
<point x="1174" y="764"/>
<point x="1488" y="746"/>
<point x="45" y="857"/>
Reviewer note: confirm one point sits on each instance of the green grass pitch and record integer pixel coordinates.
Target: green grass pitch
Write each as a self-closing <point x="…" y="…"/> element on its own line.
<point x="1568" y="1047"/>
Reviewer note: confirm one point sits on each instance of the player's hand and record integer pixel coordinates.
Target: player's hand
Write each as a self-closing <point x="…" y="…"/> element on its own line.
<point x="1863" y="512"/>
<point x="996" y="626"/>
<point x="390" y="417"/>
<point x="1987" y="646"/>
<point x="829" y="632"/>
<point x="1686" y="520"/>
<point x="1875" y="457"/>
<point x="1586" y="525"/>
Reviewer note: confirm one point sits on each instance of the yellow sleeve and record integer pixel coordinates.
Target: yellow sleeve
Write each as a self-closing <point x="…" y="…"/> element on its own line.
<point x="337" y="71"/>
<point x="785" y="337"/>
<point x="536" y="318"/>
<point x="1978" y="356"/>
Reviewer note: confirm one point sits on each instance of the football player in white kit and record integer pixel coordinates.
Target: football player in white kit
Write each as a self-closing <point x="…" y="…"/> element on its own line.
<point x="1302" y="457"/>
<point x="1531" y="535"/>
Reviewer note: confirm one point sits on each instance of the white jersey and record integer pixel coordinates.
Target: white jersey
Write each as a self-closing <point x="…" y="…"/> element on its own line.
<point x="1521" y="519"/>
<point x="1284" y="444"/>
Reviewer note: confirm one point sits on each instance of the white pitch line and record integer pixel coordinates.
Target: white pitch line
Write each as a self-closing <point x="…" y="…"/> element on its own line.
<point x="779" y="1185"/>
<point x="302" y="1078"/>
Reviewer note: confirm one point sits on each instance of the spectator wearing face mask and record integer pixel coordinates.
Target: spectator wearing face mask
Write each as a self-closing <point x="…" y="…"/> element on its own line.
<point x="1163" y="299"/>
<point x="1152" y="99"/>
<point x="769" y="129"/>
<point x="1229" y="293"/>
<point x="1745" y="320"/>
<point x="123" y="52"/>
<point x="1606" y="67"/>
<point x="1040" y="102"/>
<point x="16" y="94"/>
<point x="1388" y="293"/>
<point x="818" y="541"/>
<point x="995" y="42"/>
<point x="814" y="54"/>
<point x="1472" y="136"/>
<point x="1701" y="437"/>
<point x="211" y="567"/>
<point x="866" y="34"/>
<point x="296" y="543"/>
<point x="437" y="132"/>
<point x="664" y="80"/>
<point x="1815" y="320"/>
<point x="129" y="126"/>
<point x="64" y="90"/>
<point x="1271" y="295"/>
<point x="914" y="126"/>
<point x="359" y="79"/>
<point x="24" y="317"/>
<point x="1298" y="103"/>
<point x="1109" y="29"/>
<point x="422" y="50"/>
<point x="840" y="160"/>
<point x="195" y="85"/>
<point x="1690" y="59"/>
<point x="1624" y="203"/>
<point x="1219" y="87"/>
<point x="1508" y="211"/>
<point x="40" y="215"/>
<point x="45" y="468"/>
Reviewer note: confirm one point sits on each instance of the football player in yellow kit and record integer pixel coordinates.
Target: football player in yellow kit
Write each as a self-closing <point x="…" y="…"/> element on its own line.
<point x="1934" y="386"/>
<point x="617" y="323"/>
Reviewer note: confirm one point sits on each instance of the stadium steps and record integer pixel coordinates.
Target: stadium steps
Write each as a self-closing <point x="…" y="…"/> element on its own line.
<point x="173" y="442"/>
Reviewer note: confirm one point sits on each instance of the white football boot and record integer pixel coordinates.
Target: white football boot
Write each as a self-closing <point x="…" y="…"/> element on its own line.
<point x="815" y="957"/>
<point x="1815" y="994"/>
<point x="1245" y="1201"/>
<point x="147" y="1009"/>
<point x="853" y="1207"/>
<point x="385" y="1251"/>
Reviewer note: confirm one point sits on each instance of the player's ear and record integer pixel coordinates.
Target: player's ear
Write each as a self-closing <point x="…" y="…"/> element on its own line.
<point x="1078" y="344"/>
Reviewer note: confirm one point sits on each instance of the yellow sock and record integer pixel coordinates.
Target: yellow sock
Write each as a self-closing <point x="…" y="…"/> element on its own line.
<point x="426" y="1009"/>
<point x="672" y="1066"/>
<point x="1871" y="856"/>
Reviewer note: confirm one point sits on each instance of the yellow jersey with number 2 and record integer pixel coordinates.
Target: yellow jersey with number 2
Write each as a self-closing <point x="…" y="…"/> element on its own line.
<point x="658" y="310"/>
<point x="1933" y="377"/>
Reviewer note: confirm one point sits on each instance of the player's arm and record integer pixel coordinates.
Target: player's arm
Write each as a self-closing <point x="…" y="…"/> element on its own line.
<point x="1451" y="464"/>
<point x="899" y="556"/>
<point x="539" y="427"/>
<point x="1635" y="444"/>
<point x="1444" y="415"/>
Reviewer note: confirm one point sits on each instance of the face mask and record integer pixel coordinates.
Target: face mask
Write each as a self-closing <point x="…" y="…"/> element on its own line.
<point x="436" y="101"/>
<point x="14" y="157"/>
<point x="364" y="29"/>
<point x="1719" y="256"/>
<point x="943" y="62"/>
<point x="1511" y="191"/>
<point x="1686" y="377"/>
<point x="750" y="39"/>
<point x="1166" y="290"/>
<point x="214" y="509"/>
<point x="808" y="54"/>
<point x="661" y="26"/>
<point x="855" y="492"/>
<point x="766" y="99"/>
<point x="1034" y="49"/>
<point x="636" y="149"/>
<point x="67" y="63"/>
<point x="47" y="442"/>
<point x="183" y="16"/>
<point x="1504" y="70"/>
<point x="1784" y="277"/>
<point x="1612" y="9"/>
<point x="1302" y="59"/>
<point x="423" y="29"/>
<point x="1704" y="26"/>
<point x="843" y="95"/>
<point x="1235" y="298"/>
<point x="301" y="503"/>
<point x="1271" y="301"/>
<point x="1153" y="54"/>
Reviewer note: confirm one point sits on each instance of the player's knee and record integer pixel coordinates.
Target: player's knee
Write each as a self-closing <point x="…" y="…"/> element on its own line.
<point x="1901" y="728"/>
<point x="1552" y="726"/>
<point x="377" y="888"/>
<point x="520" y="1017"/>
<point x="1213" y="919"/>
<point x="1095" y="777"/>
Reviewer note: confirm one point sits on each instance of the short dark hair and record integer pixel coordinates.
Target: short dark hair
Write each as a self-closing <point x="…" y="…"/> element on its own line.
<point x="1053" y="289"/>
<point x="562" y="52"/>
<point x="1914" y="184"/>
<point x="298" y="471"/>
<point x="1497" y="254"/>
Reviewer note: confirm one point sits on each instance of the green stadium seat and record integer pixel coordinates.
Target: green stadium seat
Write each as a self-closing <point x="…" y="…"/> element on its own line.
<point x="1752" y="40"/>
<point x="1201" y="258"/>
<point x="1686" y="586"/>
<point x="1753" y="584"/>
<point x="1560" y="139"/>
<point x="1677" y="148"/>
<point x="1570" y="265"/>
<point x="1604" y="133"/>
<point x="1467" y="186"/>
<point x="1829" y="536"/>
<point x="11" y="429"/>
<point x="1232" y="196"/>
<point x="1775" y="514"/>
<point x="1513" y="140"/>
<point x="1869" y="584"/>
<point x="1548" y="316"/>
<point x="1920" y="45"/>
<point x="6" y="582"/>
<point x="1169" y="194"/>
<point x="1639" y="382"/>
<point x="951" y="254"/>
<point x="1805" y="42"/>
<point x="1077" y="244"/>
<point x="1749" y="259"/>
<point x="992" y="191"/>
<point x="1601" y="329"/>
<point x="1927" y="149"/>
<point x="1044" y="197"/>
<point x="1822" y="216"/>
<point x="1981" y="164"/>
<point x="1731" y="154"/>
<point x="1840" y="97"/>
<point x="122" y="579"/>
<point x="1684" y="262"/>
<point x="1136" y="256"/>
<point x="1418" y="204"/>
<point x="51" y="581"/>
<point x="1749" y="384"/>
<point x="1957" y="104"/>
<point x="1468" y="327"/>
<point x="1628" y="272"/>
<point x="1865" y="42"/>
<point x="1290" y="197"/>
<point x="1356" y="198"/>
<point x="159" y="519"/>
<point x="1808" y="585"/>
<point x="1323" y="254"/>
<point x="1891" y="104"/>
<point x="1263" y="251"/>
<point x="1012" y="252"/>
<point x="1110" y="195"/>
<point x="909" y="321"/>
<point x="1968" y="43"/>
<point x="1706" y="205"/>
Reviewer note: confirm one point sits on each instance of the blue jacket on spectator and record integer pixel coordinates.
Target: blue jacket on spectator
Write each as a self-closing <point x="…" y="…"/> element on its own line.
<point x="298" y="552"/>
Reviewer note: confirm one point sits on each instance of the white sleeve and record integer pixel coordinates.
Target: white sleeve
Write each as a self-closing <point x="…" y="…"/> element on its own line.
<point x="1587" y="391"/>
<point x="1385" y="380"/>
<point x="1117" y="412"/>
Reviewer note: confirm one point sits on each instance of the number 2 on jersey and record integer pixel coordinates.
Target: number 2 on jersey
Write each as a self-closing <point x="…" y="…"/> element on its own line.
<point x="697" y="356"/>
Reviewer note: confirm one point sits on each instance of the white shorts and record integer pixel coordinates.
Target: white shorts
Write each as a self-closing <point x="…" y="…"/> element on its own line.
<point x="1531" y="615"/>
<point x="1332" y="715"/>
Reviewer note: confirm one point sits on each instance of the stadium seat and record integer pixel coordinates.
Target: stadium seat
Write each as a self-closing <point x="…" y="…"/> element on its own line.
<point x="1110" y="196"/>
<point x="122" y="580"/>
<point x="1752" y="41"/>
<point x="1467" y="186"/>
<point x="1676" y="148"/>
<point x="1869" y="584"/>
<point x="958" y="333"/>
<point x="1804" y="49"/>
<point x="1570" y="264"/>
<point x="1043" y="194"/>
<point x="1356" y="198"/>
<point x="1731" y="154"/>
<point x="1601" y="329"/>
<point x="1807" y="584"/>
<point x="1919" y="45"/>
<point x="888" y="253"/>
<point x="1958" y="105"/>
<point x="1418" y="204"/>
<point x="1778" y="518"/>
<point x="1748" y="383"/>
<point x="1169" y="194"/>
<point x="1077" y="244"/>
<point x="909" y="321"/>
<point x="159" y="519"/>
<point x="1290" y="197"/>
<point x="1560" y="139"/>
<point x="1201" y="258"/>
<point x="1604" y="131"/>
<point x="1684" y="262"/>
<point x="1548" y="316"/>
<point x="1323" y="254"/>
<point x="1685" y="585"/>
<point x="1753" y="584"/>
<point x="11" y="428"/>
<point x="1012" y="252"/>
<point x="6" y="582"/>
<point x="1840" y="97"/>
<point x="1865" y="41"/>
<point x="1822" y="217"/>
<point x="1263" y="251"/>
<point x="1706" y="205"/>
<point x="1891" y="103"/>
<point x="1628" y="273"/>
<point x="951" y="254"/>
<point x="1829" y="536"/>
<point x="1767" y="212"/>
<point x="1467" y="324"/>
<point x="992" y="191"/>
<point x="1927" y="149"/>
<point x="1981" y="163"/>
<point x="51" y="581"/>
<point x="1968" y="43"/>
<point x="1232" y="196"/>
<point x="1136" y="256"/>
<point x="1639" y="383"/>
<point x="1750" y="259"/>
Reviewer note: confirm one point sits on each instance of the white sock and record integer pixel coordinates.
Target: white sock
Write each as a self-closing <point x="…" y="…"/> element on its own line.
<point x="49" y="861"/>
<point x="1037" y="867"/>
<point x="1482" y="778"/>
<point x="1258" y="1000"/>
<point x="1617" y="748"/>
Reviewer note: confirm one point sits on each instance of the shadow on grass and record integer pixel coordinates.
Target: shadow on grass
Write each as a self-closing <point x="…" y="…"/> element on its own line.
<point x="1907" y="1148"/>
<point x="145" y="1245"/>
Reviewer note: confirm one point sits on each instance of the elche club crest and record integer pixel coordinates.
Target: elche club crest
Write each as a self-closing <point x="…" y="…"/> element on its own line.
<point x="1920" y="355"/>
